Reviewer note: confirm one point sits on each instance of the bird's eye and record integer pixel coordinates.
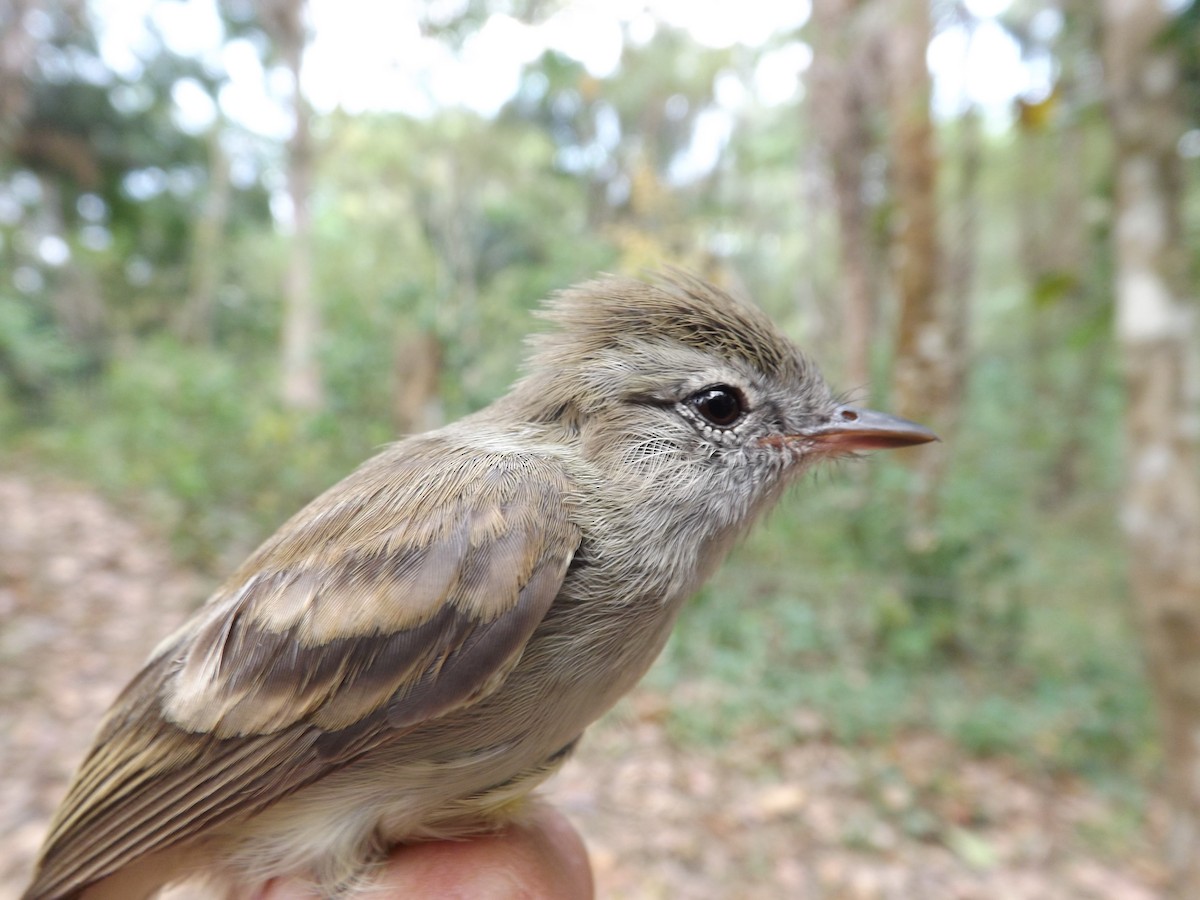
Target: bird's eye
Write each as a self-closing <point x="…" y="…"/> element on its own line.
<point x="720" y="405"/>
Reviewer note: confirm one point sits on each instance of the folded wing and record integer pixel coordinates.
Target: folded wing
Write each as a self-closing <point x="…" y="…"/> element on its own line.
<point x="406" y="592"/>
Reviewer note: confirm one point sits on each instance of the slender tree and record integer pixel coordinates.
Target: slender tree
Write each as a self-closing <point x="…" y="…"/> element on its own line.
<point x="16" y="51"/>
<point x="930" y="347"/>
<point x="846" y="49"/>
<point x="195" y="320"/>
<point x="1156" y="331"/>
<point x="301" y="377"/>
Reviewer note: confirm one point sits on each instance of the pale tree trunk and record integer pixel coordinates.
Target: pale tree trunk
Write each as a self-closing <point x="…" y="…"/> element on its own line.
<point x="818" y="310"/>
<point x="1077" y="257"/>
<point x="1156" y="330"/>
<point x="844" y="72"/>
<point x="301" y="376"/>
<point x="931" y="332"/>
<point x="16" y="49"/>
<point x="195" y="320"/>
<point x="920" y="340"/>
<point x="960" y="274"/>
<point x="1059" y="256"/>
<point x="416" y="374"/>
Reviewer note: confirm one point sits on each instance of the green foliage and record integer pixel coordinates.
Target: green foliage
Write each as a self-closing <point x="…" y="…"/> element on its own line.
<point x="457" y="246"/>
<point x="1183" y="36"/>
<point x="798" y="623"/>
<point x="33" y="357"/>
<point x="197" y="438"/>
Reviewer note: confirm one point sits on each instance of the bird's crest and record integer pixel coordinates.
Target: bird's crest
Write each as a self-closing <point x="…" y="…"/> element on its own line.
<point x="612" y="313"/>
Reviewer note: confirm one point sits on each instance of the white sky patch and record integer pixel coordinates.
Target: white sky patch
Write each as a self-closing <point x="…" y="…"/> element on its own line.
<point x="983" y="66"/>
<point x="777" y="75"/>
<point x="642" y="28"/>
<point x="195" y="112"/>
<point x="723" y="24"/>
<point x="1046" y="25"/>
<point x="191" y="28"/>
<point x="710" y="134"/>
<point x="245" y="97"/>
<point x="366" y="55"/>
<point x="369" y="55"/>
<point x="53" y="250"/>
<point x="492" y="61"/>
<point x="587" y="33"/>
<point x="121" y="33"/>
<point x="987" y="9"/>
<point x="729" y="91"/>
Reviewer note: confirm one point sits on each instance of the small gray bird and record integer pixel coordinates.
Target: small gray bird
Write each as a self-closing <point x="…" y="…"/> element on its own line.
<point x="423" y="644"/>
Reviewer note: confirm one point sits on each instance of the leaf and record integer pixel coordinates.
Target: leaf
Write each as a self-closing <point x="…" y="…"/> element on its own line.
<point x="971" y="848"/>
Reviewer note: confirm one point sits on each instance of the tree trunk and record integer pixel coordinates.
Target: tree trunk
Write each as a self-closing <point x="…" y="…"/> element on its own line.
<point x="16" y="49"/>
<point x="301" y="381"/>
<point x="926" y="372"/>
<point x="844" y="48"/>
<point x="1063" y="256"/>
<point x="416" y="375"/>
<point x="955" y="315"/>
<point x="1156" y="330"/>
<point x="920" y="339"/>
<point x="195" y="321"/>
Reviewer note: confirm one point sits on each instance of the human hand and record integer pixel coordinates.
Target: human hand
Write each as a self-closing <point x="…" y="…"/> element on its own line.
<point x="542" y="858"/>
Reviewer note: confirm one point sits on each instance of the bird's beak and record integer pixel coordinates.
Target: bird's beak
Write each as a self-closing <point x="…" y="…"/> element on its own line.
<point x="850" y="429"/>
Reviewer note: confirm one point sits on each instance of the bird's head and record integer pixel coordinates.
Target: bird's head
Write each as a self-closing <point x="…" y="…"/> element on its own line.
<point x="678" y="390"/>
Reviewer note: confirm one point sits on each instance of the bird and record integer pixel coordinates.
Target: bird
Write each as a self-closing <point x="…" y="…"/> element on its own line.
<point x="415" y="651"/>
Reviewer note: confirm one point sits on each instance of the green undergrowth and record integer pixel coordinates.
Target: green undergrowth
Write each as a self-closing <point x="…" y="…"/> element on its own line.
<point x="194" y="442"/>
<point x="810" y="631"/>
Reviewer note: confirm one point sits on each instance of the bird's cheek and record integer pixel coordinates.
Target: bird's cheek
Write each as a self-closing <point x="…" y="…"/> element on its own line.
<point x="785" y="451"/>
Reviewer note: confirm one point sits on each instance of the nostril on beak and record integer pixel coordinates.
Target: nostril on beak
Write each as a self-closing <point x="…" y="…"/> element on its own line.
<point x="848" y="415"/>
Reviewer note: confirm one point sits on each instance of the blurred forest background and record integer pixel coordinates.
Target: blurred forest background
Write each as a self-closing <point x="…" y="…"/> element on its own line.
<point x="219" y="293"/>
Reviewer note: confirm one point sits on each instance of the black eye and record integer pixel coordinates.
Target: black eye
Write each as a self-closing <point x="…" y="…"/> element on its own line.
<point x="720" y="405"/>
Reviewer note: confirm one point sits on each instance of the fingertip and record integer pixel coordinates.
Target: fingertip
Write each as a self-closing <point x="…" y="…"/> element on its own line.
<point x="563" y="845"/>
<point x="542" y="857"/>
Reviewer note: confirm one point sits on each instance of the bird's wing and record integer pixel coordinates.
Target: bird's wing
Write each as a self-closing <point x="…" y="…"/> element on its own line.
<point x="407" y="591"/>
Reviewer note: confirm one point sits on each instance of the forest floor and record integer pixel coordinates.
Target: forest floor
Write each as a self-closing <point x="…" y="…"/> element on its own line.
<point x="85" y="593"/>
